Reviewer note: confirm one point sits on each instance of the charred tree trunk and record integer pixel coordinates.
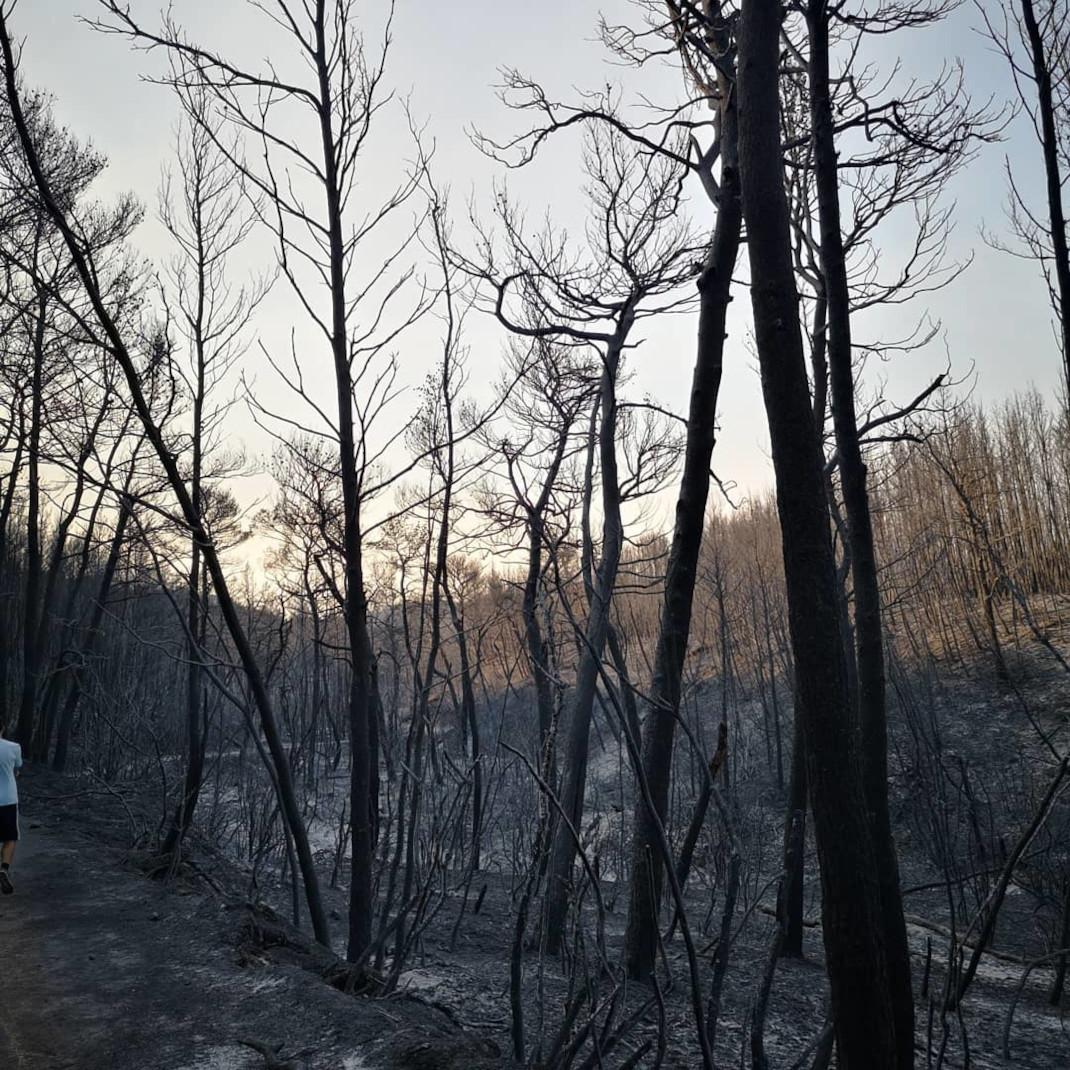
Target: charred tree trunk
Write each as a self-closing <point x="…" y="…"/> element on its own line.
<point x="869" y="640"/>
<point x="375" y="734"/>
<point x="78" y="684"/>
<point x="536" y="648"/>
<point x="702" y="804"/>
<point x="790" y="896"/>
<point x="1053" y="178"/>
<point x="647" y="876"/>
<point x="5" y="518"/>
<point x="31" y="631"/>
<point x="57" y="686"/>
<point x="854" y="947"/>
<point x="574" y="775"/>
<point x="195" y="727"/>
<point x="42" y="739"/>
<point x="471" y="722"/>
<point x="355" y="608"/>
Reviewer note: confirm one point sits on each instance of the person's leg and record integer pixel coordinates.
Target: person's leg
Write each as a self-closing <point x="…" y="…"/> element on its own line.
<point x="7" y="856"/>
<point x="9" y="834"/>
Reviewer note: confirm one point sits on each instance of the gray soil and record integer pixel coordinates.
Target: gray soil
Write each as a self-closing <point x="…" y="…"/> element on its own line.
<point x="102" y="968"/>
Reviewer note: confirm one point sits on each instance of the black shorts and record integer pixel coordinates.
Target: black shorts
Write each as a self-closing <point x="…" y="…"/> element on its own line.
<point x="9" y="823"/>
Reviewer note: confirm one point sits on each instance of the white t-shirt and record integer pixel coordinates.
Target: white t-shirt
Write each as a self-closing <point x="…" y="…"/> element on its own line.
<point x="10" y="760"/>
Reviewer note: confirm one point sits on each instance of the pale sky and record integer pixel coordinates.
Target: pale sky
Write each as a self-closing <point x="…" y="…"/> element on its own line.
<point x="446" y="59"/>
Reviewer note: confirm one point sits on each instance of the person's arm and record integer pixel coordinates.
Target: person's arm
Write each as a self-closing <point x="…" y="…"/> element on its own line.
<point x="18" y="760"/>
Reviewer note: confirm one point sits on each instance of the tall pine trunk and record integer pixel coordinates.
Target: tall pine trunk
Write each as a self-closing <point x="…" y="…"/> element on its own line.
<point x="871" y="691"/>
<point x="851" y="914"/>
<point x="714" y="284"/>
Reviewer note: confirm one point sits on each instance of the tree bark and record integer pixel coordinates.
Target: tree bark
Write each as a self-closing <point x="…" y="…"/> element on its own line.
<point x="574" y="776"/>
<point x="5" y="517"/>
<point x="854" y="946"/>
<point x="1053" y="179"/>
<point x="31" y="631"/>
<point x="42" y="737"/>
<point x="74" y="695"/>
<point x="470" y="720"/>
<point x="536" y="647"/>
<point x="869" y="640"/>
<point x="790" y="896"/>
<point x="356" y="607"/>
<point x="714" y="285"/>
<point x="195" y="727"/>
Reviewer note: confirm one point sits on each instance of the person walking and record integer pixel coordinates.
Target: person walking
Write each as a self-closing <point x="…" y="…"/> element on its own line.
<point x="10" y="763"/>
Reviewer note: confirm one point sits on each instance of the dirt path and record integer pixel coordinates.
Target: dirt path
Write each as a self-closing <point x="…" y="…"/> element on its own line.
<point x="104" y="969"/>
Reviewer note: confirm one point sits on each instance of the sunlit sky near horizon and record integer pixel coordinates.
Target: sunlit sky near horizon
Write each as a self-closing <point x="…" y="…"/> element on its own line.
<point x="446" y="60"/>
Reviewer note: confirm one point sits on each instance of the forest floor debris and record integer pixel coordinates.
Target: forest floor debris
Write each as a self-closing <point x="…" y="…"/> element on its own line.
<point x="106" y="969"/>
<point x="115" y="969"/>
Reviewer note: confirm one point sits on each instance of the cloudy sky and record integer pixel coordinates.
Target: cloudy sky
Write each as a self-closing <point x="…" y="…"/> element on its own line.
<point x="446" y="61"/>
